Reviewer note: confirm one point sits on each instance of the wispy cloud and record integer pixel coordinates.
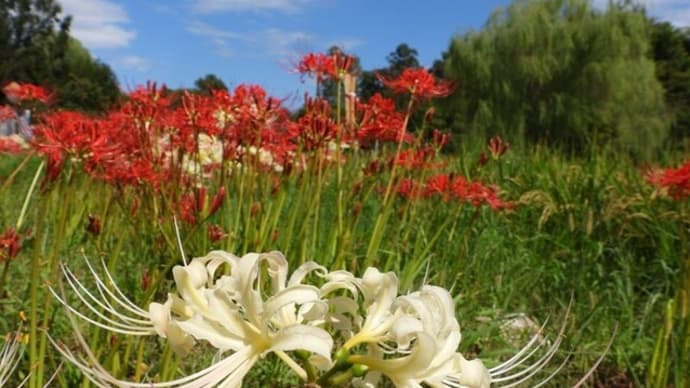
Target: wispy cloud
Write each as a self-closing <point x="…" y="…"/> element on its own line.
<point x="272" y="41"/>
<point x="133" y="62"/>
<point x="99" y="24"/>
<point x="676" y="12"/>
<point x="347" y="44"/>
<point x="208" y="6"/>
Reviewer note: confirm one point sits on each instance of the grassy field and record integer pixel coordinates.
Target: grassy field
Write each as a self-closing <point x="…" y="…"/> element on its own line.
<point x="591" y="231"/>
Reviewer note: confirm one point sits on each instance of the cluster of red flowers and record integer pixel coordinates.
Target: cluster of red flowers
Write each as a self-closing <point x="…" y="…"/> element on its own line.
<point x="7" y="113"/>
<point x="325" y="66"/>
<point x="146" y="138"/>
<point x="9" y="244"/>
<point x="497" y="147"/>
<point x="419" y="83"/>
<point x="417" y="159"/>
<point x="379" y="121"/>
<point x="8" y="145"/>
<point x="676" y="180"/>
<point x="197" y="204"/>
<point x="159" y="139"/>
<point x="449" y="187"/>
<point x="17" y="92"/>
<point x="316" y="127"/>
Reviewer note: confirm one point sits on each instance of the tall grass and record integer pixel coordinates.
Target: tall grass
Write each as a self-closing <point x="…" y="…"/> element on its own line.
<point x="587" y="229"/>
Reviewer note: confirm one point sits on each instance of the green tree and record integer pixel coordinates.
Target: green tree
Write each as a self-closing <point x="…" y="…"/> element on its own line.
<point x="88" y="84"/>
<point x="31" y="49"/>
<point x="671" y="53"/>
<point x="35" y="47"/>
<point x="561" y="72"/>
<point x="401" y="58"/>
<point x="208" y="83"/>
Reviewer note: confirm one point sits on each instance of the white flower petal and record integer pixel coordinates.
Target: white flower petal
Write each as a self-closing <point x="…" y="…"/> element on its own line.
<point x="160" y="316"/>
<point x="213" y="332"/>
<point x="303" y="337"/>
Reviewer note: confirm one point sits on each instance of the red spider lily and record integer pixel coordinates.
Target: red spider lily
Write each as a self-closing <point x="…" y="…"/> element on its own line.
<point x="438" y="185"/>
<point x="9" y="244"/>
<point x="94" y="225"/>
<point x="497" y="147"/>
<point x="188" y="209"/>
<point x="254" y="117"/>
<point x="408" y="189"/>
<point x="459" y="188"/>
<point x="373" y="168"/>
<point x="477" y="194"/>
<point x="676" y="180"/>
<point x="316" y="127"/>
<point x="18" y="92"/>
<point x="216" y="233"/>
<point x="379" y="121"/>
<point x="70" y="135"/>
<point x="194" y="116"/>
<point x="9" y="145"/>
<point x="195" y="205"/>
<point x="419" y="83"/>
<point x="7" y="113"/>
<point x="416" y="159"/>
<point x="440" y="139"/>
<point x="316" y="65"/>
<point x="145" y="280"/>
<point x="341" y="63"/>
<point x="482" y="160"/>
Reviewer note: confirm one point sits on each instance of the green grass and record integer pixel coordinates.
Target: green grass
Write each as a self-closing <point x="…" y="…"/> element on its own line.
<point x="590" y="230"/>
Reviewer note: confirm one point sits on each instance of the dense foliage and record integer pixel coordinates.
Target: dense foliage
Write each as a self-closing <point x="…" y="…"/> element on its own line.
<point x="33" y="50"/>
<point x="560" y="72"/>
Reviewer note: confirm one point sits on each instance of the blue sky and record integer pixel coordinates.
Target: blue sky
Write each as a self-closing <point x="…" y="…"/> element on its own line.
<point x="256" y="41"/>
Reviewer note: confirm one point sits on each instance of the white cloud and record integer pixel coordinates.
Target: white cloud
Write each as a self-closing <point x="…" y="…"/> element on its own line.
<point x="133" y="62"/>
<point x="99" y="24"/>
<point x="209" y="6"/>
<point x="281" y="43"/>
<point x="273" y="41"/>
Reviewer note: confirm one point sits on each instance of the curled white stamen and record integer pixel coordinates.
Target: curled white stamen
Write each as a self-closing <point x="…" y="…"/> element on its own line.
<point x="106" y="315"/>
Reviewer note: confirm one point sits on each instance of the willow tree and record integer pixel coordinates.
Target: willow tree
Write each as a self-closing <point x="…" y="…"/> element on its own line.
<point x="559" y="71"/>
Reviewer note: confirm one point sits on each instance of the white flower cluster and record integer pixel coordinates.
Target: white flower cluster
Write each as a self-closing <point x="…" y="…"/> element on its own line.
<point x="329" y="327"/>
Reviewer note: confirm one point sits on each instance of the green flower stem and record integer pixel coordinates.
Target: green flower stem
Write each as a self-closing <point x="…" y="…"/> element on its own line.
<point x="34" y="378"/>
<point x="295" y="209"/>
<point x="64" y="201"/>
<point x="382" y="217"/>
<point x="20" y="219"/>
<point x="13" y="174"/>
<point x="139" y="360"/>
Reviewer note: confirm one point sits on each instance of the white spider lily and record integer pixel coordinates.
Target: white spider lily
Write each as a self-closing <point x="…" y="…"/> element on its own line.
<point x="254" y="307"/>
<point x="518" y="369"/>
<point x="379" y="291"/>
<point x="105" y="307"/>
<point x="230" y="313"/>
<point x="426" y="335"/>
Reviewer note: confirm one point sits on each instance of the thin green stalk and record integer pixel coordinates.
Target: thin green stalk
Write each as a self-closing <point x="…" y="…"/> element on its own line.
<point x="27" y="198"/>
<point x="20" y="221"/>
<point x="64" y="210"/>
<point x="34" y="378"/>
<point x="382" y="218"/>
<point x="339" y="172"/>
<point x="316" y="209"/>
